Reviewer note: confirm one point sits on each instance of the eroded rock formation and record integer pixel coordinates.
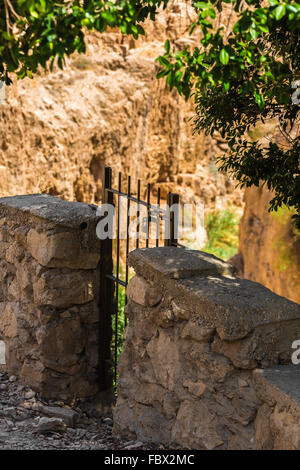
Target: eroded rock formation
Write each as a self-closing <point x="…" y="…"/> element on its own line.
<point x="270" y="245"/>
<point x="107" y="108"/>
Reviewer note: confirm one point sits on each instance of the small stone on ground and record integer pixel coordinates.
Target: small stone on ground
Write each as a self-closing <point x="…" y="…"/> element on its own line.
<point x="30" y="423"/>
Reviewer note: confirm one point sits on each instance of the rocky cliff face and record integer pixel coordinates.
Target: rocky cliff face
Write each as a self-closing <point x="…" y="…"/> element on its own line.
<point x="270" y="245"/>
<point x="58" y="131"/>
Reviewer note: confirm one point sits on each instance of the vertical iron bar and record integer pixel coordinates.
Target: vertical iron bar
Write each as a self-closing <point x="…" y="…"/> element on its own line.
<point x="175" y="219"/>
<point x="127" y="236"/>
<point x="105" y="297"/>
<point x="172" y="203"/>
<point x="117" y="276"/>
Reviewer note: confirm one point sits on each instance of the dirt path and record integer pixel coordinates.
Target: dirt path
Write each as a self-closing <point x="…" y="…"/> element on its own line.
<point x="26" y="422"/>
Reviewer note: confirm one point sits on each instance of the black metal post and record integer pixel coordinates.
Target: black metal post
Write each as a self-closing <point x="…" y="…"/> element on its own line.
<point x="175" y="219"/>
<point x="106" y="297"/>
<point x="171" y="222"/>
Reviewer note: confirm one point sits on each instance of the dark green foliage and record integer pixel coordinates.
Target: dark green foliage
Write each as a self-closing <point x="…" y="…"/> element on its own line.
<point x="241" y="78"/>
<point x="36" y="32"/>
<point x="120" y="326"/>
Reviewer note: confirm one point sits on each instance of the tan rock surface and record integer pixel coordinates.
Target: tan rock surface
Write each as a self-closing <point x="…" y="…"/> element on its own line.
<point x="270" y="245"/>
<point x="8" y="322"/>
<point x="60" y="250"/>
<point x="63" y="290"/>
<point x="60" y="129"/>
<point x="141" y="292"/>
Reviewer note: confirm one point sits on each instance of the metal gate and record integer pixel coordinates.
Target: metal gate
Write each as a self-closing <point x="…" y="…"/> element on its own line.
<point x="111" y="279"/>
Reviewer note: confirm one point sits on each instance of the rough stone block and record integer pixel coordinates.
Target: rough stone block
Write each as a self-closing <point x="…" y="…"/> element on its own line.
<point x="180" y="312"/>
<point x="195" y="427"/>
<point x="141" y="292"/>
<point x="24" y="276"/>
<point x="165" y="318"/>
<point x="48" y="425"/>
<point x="3" y="234"/>
<point x="263" y="436"/>
<point x="60" y="250"/>
<point x="69" y="417"/>
<point x="61" y="343"/>
<point x="32" y="373"/>
<point x="266" y="345"/>
<point x="196" y="332"/>
<point x="177" y="264"/>
<point x="62" y="290"/>
<point x="168" y="372"/>
<point x="196" y="388"/>
<point x="8" y="321"/>
<point x="239" y="352"/>
<point x="286" y="429"/>
<point x="14" y="253"/>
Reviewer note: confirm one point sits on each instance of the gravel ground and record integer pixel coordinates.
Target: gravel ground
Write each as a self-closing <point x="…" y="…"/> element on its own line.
<point x="27" y="423"/>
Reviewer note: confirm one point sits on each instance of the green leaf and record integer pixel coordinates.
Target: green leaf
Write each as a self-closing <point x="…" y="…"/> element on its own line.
<point x="163" y="61"/>
<point x="279" y="12"/>
<point x="162" y="74"/>
<point x="167" y="46"/>
<point x="226" y="86"/>
<point x="253" y="32"/>
<point x="224" y="57"/>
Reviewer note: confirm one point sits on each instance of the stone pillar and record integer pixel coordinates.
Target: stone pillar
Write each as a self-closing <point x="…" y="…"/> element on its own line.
<point x="196" y="333"/>
<point x="49" y="256"/>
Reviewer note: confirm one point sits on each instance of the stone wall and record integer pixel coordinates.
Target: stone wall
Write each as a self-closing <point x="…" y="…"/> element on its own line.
<point x="196" y="339"/>
<point x="49" y="255"/>
<point x="277" y="424"/>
